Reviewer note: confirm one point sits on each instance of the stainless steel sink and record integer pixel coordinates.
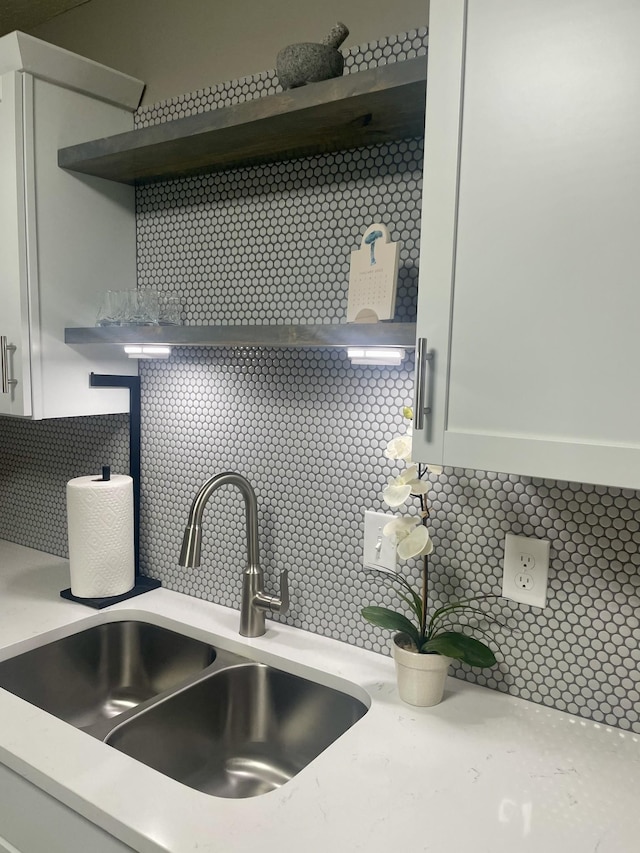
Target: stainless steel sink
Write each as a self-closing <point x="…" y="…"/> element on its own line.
<point x="240" y="732"/>
<point x="97" y="674"/>
<point x="212" y="719"/>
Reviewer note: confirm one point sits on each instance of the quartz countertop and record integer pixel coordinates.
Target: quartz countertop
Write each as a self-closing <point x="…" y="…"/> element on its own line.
<point x="481" y="772"/>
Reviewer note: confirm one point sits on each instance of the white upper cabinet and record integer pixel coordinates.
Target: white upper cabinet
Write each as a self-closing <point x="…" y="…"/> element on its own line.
<point x="64" y="238"/>
<point x="529" y="294"/>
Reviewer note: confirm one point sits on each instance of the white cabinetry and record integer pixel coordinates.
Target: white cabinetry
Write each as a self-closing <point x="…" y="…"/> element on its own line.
<point x="64" y="238"/>
<point x="530" y="271"/>
<point x="32" y="821"/>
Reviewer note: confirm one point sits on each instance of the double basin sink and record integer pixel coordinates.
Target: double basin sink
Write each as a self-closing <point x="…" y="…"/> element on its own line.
<point x="217" y="721"/>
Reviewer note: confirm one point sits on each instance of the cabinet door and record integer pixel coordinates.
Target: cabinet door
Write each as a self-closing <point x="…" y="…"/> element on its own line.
<point x="14" y="309"/>
<point x="64" y="240"/>
<point x="81" y="242"/>
<point x="529" y="292"/>
<point x="33" y="821"/>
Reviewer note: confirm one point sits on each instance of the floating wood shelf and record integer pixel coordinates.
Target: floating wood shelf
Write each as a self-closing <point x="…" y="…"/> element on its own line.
<point x="298" y="336"/>
<point x="379" y="105"/>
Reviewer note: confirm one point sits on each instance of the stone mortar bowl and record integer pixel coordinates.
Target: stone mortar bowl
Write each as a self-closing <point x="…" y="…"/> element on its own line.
<point x="307" y="62"/>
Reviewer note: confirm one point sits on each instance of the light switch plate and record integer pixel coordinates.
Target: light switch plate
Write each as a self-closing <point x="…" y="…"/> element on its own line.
<point x="526" y="567"/>
<point x="379" y="551"/>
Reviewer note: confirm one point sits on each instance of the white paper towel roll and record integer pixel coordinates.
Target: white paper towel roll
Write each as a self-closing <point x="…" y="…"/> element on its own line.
<point x="100" y="521"/>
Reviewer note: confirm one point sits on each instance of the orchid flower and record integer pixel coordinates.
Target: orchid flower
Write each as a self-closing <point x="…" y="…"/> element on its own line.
<point x="410" y="532"/>
<point x="399" y="448"/>
<point x="399" y="489"/>
<point x="411" y="537"/>
<point x="400" y="527"/>
<point x="417" y="544"/>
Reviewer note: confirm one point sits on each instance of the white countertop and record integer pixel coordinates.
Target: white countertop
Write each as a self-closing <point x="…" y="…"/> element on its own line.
<point x="480" y="772"/>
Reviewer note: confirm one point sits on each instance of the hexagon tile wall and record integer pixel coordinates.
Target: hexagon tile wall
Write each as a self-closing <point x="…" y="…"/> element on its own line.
<point x="37" y="458"/>
<point x="271" y="244"/>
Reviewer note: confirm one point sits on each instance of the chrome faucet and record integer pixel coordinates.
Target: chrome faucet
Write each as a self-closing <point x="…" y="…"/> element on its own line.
<point x="255" y="602"/>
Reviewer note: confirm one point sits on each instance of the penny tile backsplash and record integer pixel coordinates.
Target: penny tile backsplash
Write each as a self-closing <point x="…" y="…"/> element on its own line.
<point x="271" y="244"/>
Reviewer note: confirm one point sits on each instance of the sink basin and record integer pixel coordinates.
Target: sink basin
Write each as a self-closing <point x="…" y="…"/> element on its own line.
<point x="239" y="732"/>
<point x="212" y="719"/>
<point x="97" y="674"/>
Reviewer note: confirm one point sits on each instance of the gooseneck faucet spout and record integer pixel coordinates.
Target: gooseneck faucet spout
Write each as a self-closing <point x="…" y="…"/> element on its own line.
<point x="255" y="602"/>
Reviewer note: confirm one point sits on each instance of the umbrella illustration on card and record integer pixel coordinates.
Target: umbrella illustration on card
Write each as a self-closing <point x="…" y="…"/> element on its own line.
<point x="373" y="277"/>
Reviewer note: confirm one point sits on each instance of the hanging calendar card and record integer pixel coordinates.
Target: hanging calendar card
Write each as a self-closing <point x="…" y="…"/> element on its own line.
<point x="373" y="277"/>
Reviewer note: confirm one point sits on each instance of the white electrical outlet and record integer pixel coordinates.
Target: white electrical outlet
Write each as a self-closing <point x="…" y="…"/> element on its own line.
<point x="526" y="567"/>
<point x="379" y="551"/>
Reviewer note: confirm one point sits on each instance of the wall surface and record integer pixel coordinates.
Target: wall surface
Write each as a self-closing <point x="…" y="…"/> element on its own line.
<point x="37" y="458"/>
<point x="308" y="429"/>
<point x="178" y="47"/>
<point x="271" y="244"/>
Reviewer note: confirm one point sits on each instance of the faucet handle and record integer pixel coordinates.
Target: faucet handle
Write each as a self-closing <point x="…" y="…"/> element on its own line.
<point x="281" y="604"/>
<point x="262" y="601"/>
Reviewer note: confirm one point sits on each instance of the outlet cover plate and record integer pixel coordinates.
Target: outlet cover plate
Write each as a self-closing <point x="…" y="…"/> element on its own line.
<point x="526" y="569"/>
<point x="379" y="551"/>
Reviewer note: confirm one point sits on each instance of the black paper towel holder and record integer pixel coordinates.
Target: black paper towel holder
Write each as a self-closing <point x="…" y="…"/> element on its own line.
<point x="142" y="582"/>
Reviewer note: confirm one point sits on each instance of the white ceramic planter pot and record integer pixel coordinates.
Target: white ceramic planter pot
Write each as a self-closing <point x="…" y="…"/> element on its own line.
<point x="421" y="678"/>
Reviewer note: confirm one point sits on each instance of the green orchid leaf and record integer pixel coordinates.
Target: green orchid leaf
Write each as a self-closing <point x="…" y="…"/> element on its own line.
<point x="436" y="623"/>
<point x="468" y="605"/>
<point x="460" y="647"/>
<point x="413" y="601"/>
<point x="384" y="618"/>
<point x="412" y="605"/>
<point x="404" y="583"/>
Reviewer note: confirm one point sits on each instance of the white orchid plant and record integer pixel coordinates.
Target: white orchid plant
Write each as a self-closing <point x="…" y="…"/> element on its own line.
<point x="425" y="635"/>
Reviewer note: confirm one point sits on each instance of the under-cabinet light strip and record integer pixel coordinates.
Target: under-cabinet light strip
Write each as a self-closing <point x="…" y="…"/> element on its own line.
<point x="147" y="351"/>
<point x="376" y="355"/>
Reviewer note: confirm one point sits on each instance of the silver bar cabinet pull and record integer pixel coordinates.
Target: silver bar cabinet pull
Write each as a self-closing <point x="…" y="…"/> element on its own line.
<point x="420" y="392"/>
<point x="5" y="349"/>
